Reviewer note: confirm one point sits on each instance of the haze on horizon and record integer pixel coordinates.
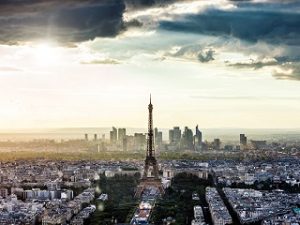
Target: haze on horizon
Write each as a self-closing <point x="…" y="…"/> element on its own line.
<point x="216" y="63"/>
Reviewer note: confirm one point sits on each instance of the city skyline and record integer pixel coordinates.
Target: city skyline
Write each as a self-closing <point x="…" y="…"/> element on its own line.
<point x="94" y="63"/>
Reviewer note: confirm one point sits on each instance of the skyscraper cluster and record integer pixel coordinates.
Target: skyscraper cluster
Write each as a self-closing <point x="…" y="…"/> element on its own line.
<point x="185" y="140"/>
<point x="119" y="140"/>
<point x="95" y="137"/>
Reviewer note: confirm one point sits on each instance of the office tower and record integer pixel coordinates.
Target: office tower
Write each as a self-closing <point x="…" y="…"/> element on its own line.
<point x="217" y="144"/>
<point x="86" y="137"/>
<point x="243" y="141"/>
<point x="113" y="135"/>
<point x="124" y="144"/>
<point x="158" y="137"/>
<point x="171" y="136"/>
<point x="175" y="135"/>
<point x="198" y="139"/>
<point x="129" y="143"/>
<point x="187" y="139"/>
<point x="121" y="134"/>
<point x="95" y="137"/>
<point x="139" y="141"/>
<point x="103" y="136"/>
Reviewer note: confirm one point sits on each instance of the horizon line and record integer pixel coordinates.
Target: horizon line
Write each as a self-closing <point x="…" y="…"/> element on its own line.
<point x="129" y="127"/>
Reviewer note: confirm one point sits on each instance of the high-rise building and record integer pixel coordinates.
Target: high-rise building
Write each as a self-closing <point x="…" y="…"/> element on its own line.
<point x="128" y="143"/>
<point x="243" y="141"/>
<point x="124" y="144"/>
<point x="216" y="144"/>
<point x="198" y="139"/>
<point x="86" y="137"/>
<point x="139" y="141"/>
<point x="175" y="135"/>
<point x="158" y="137"/>
<point x="121" y="134"/>
<point x="113" y="135"/>
<point x="187" y="141"/>
<point x="171" y="136"/>
<point x="95" y="137"/>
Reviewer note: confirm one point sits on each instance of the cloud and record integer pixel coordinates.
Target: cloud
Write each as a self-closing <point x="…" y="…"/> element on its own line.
<point x="273" y="25"/>
<point x="206" y="56"/>
<point x="248" y="24"/>
<point x="288" y="72"/>
<point x="147" y="3"/>
<point x="102" y="61"/>
<point x="66" y="21"/>
<point x="253" y="64"/>
<point x="73" y="21"/>
<point x="263" y="33"/>
<point x="204" y="97"/>
<point x="192" y="52"/>
<point x="9" y="69"/>
<point x="284" y="67"/>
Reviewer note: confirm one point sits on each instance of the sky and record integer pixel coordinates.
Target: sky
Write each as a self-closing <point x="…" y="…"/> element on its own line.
<point x="215" y="63"/>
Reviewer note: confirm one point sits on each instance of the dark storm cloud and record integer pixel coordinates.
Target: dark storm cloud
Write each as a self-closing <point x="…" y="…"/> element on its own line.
<point x="148" y="3"/>
<point x="275" y="27"/>
<point x="275" y="23"/>
<point x="65" y="21"/>
<point x="70" y="21"/>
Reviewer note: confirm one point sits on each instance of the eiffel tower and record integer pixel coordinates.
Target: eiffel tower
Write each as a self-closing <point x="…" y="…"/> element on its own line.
<point x="150" y="177"/>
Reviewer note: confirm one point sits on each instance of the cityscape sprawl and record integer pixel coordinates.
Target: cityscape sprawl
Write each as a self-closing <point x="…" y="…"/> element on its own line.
<point x="149" y="112"/>
<point x="184" y="180"/>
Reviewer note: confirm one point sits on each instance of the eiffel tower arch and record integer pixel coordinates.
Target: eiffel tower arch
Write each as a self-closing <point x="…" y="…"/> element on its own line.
<point x="150" y="177"/>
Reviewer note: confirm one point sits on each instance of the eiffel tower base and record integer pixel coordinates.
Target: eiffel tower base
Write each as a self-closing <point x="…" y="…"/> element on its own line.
<point x="149" y="182"/>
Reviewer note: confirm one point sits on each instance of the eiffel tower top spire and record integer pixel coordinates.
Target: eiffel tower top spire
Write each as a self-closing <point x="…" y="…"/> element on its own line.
<point x="150" y="141"/>
<point x="150" y="106"/>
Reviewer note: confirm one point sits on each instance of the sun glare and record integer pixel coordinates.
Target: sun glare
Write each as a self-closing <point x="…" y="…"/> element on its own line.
<point x="46" y="54"/>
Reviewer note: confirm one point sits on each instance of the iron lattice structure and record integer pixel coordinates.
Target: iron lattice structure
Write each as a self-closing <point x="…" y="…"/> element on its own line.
<point x="150" y="176"/>
<point x="150" y="141"/>
<point x="150" y="161"/>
